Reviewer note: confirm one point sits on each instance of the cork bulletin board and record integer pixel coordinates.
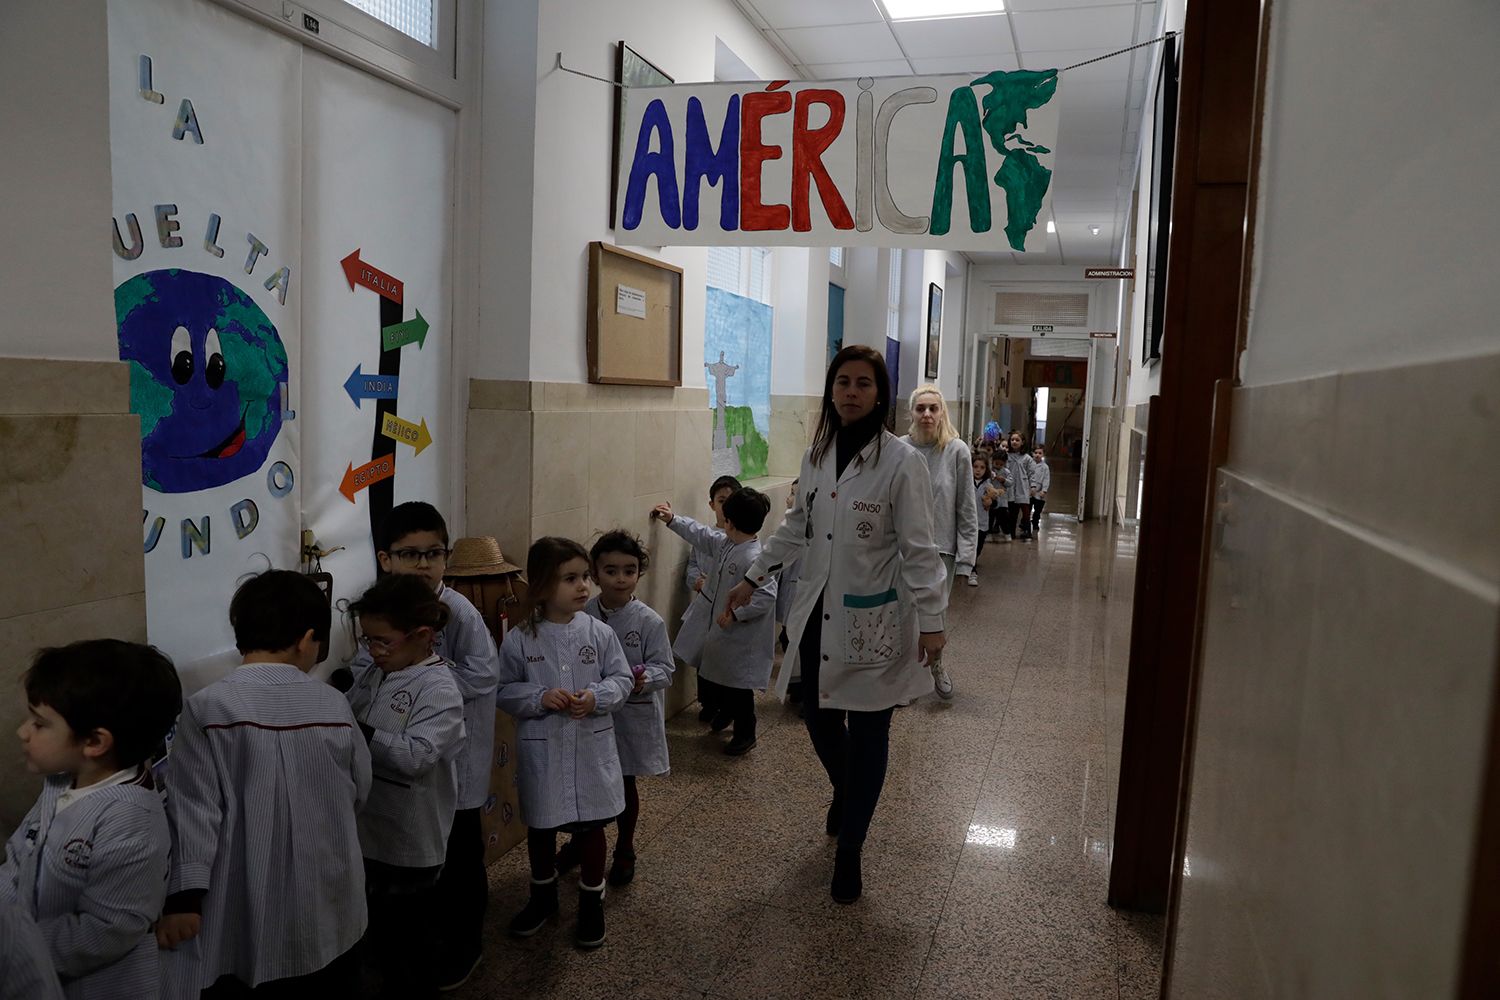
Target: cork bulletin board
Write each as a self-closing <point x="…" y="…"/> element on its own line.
<point x="634" y="318"/>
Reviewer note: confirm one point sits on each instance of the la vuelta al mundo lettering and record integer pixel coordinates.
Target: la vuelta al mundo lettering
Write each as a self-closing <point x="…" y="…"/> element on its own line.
<point x="960" y="162"/>
<point x="209" y="372"/>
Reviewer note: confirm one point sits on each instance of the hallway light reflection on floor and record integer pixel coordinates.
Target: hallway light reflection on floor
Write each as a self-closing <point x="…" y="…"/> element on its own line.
<point x="992" y="836"/>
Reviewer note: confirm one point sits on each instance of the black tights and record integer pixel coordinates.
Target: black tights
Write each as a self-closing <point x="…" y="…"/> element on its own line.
<point x="854" y="747"/>
<point x="625" y="843"/>
<point x="541" y="848"/>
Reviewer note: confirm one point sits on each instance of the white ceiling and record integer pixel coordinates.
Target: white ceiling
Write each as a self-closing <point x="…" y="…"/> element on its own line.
<point x="1101" y="103"/>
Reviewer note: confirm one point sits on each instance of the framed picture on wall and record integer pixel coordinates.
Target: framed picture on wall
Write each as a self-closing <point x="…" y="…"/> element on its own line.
<point x="632" y="70"/>
<point x="1159" y="218"/>
<point x="934" y="329"/>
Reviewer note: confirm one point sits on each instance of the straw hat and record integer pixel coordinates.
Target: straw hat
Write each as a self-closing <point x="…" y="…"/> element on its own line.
<point x="478" y="557"/>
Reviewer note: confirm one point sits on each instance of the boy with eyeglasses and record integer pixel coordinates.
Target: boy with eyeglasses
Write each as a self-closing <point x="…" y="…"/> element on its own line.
<point x="266" y="774"/>
<point x="413" y="541"/>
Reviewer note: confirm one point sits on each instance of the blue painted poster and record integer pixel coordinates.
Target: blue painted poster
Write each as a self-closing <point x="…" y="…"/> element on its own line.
<point x="737" y="361"/>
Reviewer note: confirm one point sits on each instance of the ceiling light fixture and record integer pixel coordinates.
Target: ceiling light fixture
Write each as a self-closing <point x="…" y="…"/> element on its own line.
<point x="1051" y="226"/>
<point x="1094" y="230"/>
<point x="923" y="10"/>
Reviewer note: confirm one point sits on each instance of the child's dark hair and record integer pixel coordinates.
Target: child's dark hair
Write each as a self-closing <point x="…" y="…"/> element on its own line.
<point x="622" y="541"/>
<point x="983" y="456"/>
<point x="746" y="509"/>
<point x="274" y="610"/>
<point x="407" y="602"/>
<point x="723" y="483"/>
<point x="408" y="518"/>
<point x="127" y="688"/>
<point x="544" y="563"/>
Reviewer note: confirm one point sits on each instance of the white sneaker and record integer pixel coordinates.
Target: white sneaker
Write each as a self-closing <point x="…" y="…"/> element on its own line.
<point x="941" y="682"/>
<point x="973" y="579"/>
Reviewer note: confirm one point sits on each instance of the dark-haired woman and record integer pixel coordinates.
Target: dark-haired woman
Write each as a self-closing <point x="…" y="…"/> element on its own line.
<point x="871" y="581"/>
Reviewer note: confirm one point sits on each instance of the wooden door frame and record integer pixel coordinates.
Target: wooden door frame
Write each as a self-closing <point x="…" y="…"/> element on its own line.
<point x="1208" y="262"/>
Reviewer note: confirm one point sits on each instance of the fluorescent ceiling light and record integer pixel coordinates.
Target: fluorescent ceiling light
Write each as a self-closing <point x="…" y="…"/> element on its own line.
<point x="1051" y="226"/>
<point x="917" y="10"/>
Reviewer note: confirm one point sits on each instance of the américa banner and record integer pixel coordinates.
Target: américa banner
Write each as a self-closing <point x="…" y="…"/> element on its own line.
<point x="956" y="162"/>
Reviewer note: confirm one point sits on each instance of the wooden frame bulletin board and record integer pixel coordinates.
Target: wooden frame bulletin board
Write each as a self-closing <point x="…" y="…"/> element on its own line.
<point x="634" y="318"/>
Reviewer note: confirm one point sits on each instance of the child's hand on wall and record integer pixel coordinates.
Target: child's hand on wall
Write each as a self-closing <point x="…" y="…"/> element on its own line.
<point x="557" y="700"/>
<point x="584" y="704"/>
<point x="663" y="513"/>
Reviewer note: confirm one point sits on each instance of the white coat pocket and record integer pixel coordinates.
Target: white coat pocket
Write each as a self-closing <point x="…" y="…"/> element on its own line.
<point x="873" y="632"/>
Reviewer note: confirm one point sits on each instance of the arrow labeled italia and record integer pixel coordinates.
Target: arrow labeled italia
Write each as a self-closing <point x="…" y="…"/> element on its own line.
<point x="416" y="435"/>
<point x="413" y="331"/>
<point x="366" y="475"/>
<point x="360" y="273"/>
<point x="360" y="386"/>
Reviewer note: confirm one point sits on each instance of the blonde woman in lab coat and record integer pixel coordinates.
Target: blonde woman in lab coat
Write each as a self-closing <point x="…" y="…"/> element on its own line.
<point x="871" y="580"/>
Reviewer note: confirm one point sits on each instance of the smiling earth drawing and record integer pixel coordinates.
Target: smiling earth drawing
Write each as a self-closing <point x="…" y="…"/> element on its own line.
<point x="207" y="369"/>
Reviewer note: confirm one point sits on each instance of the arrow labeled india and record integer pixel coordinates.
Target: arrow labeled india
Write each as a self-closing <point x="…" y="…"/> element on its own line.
<point x="360" y="386"/>
<point x="366" y="475"/>
<point x="416" y="435"/>
<point x="413" y="331"/>
<point x="360" y="273"/>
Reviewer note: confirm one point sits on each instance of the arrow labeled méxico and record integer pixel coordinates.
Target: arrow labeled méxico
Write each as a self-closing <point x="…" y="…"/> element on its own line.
<point x="406" y="432"/>
<point x="413" y="331"/>
<point x="360" y="386"/>
<point x="360" y="273"/>
<point x="366" y="475"/>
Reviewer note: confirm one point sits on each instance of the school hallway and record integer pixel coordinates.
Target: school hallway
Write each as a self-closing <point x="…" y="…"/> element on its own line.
<point x="985" y="870"/>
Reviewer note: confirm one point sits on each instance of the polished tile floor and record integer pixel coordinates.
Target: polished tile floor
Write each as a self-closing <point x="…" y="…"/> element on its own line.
<point x="986" y="867"/>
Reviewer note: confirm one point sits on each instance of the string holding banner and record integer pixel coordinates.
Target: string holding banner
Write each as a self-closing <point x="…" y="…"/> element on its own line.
<point x="1087" y="62"/>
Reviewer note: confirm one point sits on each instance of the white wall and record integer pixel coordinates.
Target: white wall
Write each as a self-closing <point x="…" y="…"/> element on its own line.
<point x="56" y="288"/>
<point x="1415" y="207"/>
<point x="572" y="143"/>
<point x="799" y="333"/>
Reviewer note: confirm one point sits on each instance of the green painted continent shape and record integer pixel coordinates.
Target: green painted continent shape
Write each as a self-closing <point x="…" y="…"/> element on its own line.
<point x="257" y="359"/>
<point x="1022" y="176"/>
<point x="755" y="451"/>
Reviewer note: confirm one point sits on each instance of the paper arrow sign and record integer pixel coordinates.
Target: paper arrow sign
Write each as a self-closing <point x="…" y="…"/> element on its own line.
<point x="413" y="331"/>
<point x="416" y="435"/>
<point x="360" y="273"/>
<point x="366" y="475"/>
<point x="360" y="386"/>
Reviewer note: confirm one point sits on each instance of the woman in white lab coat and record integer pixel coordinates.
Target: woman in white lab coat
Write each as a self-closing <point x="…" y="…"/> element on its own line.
<point x="871" y="580"/>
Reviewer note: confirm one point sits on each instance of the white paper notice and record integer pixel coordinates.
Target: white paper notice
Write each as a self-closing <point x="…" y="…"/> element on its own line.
<point x="630" y="301"/>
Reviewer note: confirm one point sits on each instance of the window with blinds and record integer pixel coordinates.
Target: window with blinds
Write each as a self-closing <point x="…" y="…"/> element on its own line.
<point x="893" y="298"/>
<point x="836" y="256"/>
<point x="742" y="270"/>
<point x="412" y="18"/>
<point x="1064" y="310"/>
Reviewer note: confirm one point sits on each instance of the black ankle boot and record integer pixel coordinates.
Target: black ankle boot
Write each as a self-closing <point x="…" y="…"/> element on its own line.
<point x="622" y="869"/>
<point x="590" y="932"/>
<point x="847" y="885"/>
<point x="539" y="908"/>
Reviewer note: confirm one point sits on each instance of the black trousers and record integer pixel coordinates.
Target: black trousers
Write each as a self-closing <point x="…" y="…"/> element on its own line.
<point x="463" y="891"/>
<point x="853" y="747"/>
<point x="1037" y="503"/>
<point x="739" y="705"/>
<point x="402" y="936"/>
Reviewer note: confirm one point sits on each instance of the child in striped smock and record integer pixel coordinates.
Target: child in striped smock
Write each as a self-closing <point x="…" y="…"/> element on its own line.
<point x="563" y="674"/>
<point x="89" y="861"/>
<point x="618" y="559"/>
<point x="413" y="541"/>
<point x="695" y="624"/>
<point x="266" y="774"/>
<point x="410" y="710"/>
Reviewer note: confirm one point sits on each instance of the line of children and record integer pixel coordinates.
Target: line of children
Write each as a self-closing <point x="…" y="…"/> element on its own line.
<point x="408" y="706"/>
<point x="695" y="620"/>
<point x="89" y="862"/>
<point x="737" y="655"/>
<point x="563" y="673"/>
